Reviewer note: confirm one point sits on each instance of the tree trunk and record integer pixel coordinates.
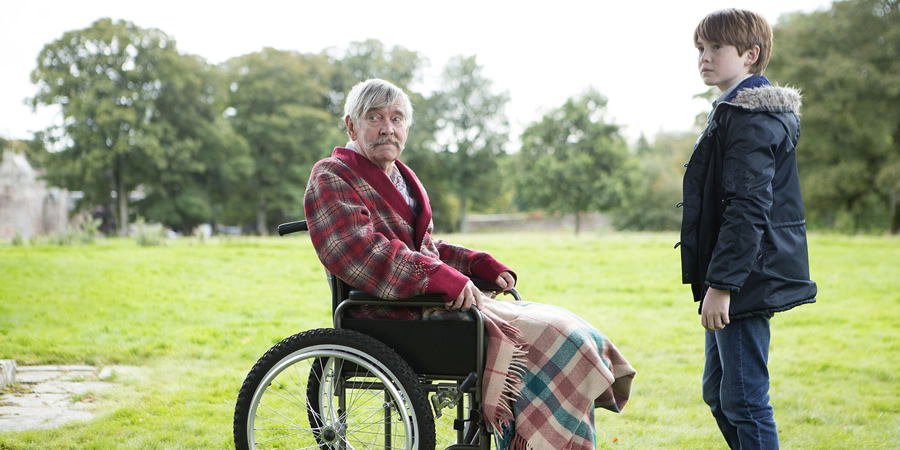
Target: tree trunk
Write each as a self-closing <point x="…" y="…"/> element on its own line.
<point x="261" y="216"/>
<point x="895" y="213"/>
<point x="463" y="207"/>
<point x="123" y="209"/>
<point x="577" y="222"/>
<point x="121" y="203"/>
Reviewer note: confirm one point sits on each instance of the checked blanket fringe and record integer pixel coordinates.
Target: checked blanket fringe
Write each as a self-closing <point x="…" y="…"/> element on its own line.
<point x="547" y="370"/>
<point x="504" y="371"/>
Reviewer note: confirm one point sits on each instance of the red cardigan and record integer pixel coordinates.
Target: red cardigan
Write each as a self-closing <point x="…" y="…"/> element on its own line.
<point x="365" y="233"/>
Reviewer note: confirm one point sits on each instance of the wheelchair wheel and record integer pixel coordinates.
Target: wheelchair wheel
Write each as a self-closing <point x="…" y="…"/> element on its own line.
<point x="332" y="389"/>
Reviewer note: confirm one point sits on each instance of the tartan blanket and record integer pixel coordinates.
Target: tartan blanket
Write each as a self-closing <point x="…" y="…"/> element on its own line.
<point x="547" y="370"/>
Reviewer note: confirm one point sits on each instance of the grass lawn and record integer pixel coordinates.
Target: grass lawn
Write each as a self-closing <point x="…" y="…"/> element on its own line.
<point x="196" y="316"/>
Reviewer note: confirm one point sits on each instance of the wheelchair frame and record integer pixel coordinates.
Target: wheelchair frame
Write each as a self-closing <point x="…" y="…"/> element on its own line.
<point x="376" y="359"/>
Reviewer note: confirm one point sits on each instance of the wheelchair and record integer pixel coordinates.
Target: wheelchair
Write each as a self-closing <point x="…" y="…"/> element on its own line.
<point x="364" y="384"/>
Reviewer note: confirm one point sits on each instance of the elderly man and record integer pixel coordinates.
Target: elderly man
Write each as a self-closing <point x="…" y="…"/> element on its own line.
<point x="370" y="222"/>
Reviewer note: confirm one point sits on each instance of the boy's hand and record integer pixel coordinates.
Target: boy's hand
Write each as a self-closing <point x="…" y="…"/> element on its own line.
<point x="714" y="313"/>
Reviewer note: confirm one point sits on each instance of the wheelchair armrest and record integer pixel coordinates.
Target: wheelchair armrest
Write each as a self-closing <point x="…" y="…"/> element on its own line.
<point x="488" y="286"/>
<point x="359" y="295"/>
<point x="483" y="285"/>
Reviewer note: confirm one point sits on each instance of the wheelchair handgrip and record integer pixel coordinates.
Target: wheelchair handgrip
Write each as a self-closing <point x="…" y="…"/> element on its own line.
<point x="485" y="285"/>
<point x="468" y="382"/>
<point x="292" y="227"/>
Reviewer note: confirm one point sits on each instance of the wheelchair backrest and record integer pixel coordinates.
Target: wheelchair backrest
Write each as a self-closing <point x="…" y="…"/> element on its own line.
<point x="340" y="290"/>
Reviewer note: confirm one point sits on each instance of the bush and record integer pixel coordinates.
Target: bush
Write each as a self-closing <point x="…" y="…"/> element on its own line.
<point x="88" y="229"/>
<point x="148" y="234"/>
<point x="85" y="231"/>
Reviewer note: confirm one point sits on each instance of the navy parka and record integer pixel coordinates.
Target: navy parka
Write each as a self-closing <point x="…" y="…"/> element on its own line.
<point x="743" y="227"/>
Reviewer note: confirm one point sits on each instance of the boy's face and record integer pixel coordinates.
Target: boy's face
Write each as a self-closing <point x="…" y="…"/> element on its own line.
<point x="721" y="65"/>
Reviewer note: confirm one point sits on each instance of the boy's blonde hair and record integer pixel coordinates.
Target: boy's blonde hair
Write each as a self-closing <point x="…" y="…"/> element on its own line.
<point x="740" y="28"/>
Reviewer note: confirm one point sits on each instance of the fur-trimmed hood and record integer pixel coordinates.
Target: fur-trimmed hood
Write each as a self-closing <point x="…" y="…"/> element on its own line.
<point x="757" y="95"/>
<point x="769" y="98"/>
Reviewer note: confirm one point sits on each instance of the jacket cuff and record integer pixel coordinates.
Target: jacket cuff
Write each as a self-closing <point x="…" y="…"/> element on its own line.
<point x="723" y="287"/>
<point x="488" y="269"/>
<point x="447" y="282"/>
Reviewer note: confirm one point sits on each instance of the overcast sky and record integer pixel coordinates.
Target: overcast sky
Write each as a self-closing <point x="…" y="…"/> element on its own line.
<point x="637" y="53"/>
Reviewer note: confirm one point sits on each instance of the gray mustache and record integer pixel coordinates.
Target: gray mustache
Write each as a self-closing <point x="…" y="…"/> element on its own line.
<point x="385" y="140"/>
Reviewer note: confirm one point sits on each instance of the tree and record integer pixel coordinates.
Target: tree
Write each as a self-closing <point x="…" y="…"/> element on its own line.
<point x="370" y="59"/>
<point x="280" y="103"/>
<point x="106" y="80"/>
<point x="422" y="154"/>
<point x="654" y="183"/>
<point x="847" y="62"/>
<point x="472" y="129"/>
<point x="200" y="161"/>
<point x="572" y="161"/>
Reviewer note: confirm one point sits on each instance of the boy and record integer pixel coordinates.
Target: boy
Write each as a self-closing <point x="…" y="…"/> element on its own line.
<point x="743" y="233"/>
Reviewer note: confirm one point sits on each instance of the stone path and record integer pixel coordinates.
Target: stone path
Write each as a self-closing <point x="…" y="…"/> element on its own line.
<point x="42" y="397"/>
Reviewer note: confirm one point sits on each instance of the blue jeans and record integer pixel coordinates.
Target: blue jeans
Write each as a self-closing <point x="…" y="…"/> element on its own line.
<point x="736" y="383"/>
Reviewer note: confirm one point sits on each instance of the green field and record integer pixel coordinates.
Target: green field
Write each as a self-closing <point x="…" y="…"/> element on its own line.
<point x="196" y="316"/>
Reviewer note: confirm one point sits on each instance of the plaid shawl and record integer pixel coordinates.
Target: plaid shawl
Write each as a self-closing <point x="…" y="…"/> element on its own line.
<point x="546" y="368"/>
<point x="570" y="368"/>
<point x="547" y="371"/>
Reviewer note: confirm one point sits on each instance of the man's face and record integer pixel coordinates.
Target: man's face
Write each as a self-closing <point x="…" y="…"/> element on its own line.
<point x="721" y="65"/>
<point x="380" y="135"/>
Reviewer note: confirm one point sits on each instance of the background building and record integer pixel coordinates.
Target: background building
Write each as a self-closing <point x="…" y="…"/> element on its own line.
<point x="28" y="207"/>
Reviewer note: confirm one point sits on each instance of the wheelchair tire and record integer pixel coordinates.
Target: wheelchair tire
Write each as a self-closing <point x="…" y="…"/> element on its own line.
<point x="332" y="388"/>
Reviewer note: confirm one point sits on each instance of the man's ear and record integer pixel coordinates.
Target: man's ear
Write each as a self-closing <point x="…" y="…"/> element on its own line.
<point x="751" y="56"/>
<point x="351" y="128"/>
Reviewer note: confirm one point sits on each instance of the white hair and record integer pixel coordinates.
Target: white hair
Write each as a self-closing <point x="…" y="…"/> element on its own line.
<point x="375" y="94"/>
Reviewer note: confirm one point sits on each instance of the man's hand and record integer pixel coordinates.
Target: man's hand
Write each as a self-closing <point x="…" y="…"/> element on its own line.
<point x="469" y="295"/>
<point x="714" y="313"/>
<point x="506" y="281"/>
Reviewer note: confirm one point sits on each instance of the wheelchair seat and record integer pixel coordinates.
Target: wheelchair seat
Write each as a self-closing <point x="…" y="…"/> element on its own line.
<point x="450" y="349"/>
<point x="436" y="349"/>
